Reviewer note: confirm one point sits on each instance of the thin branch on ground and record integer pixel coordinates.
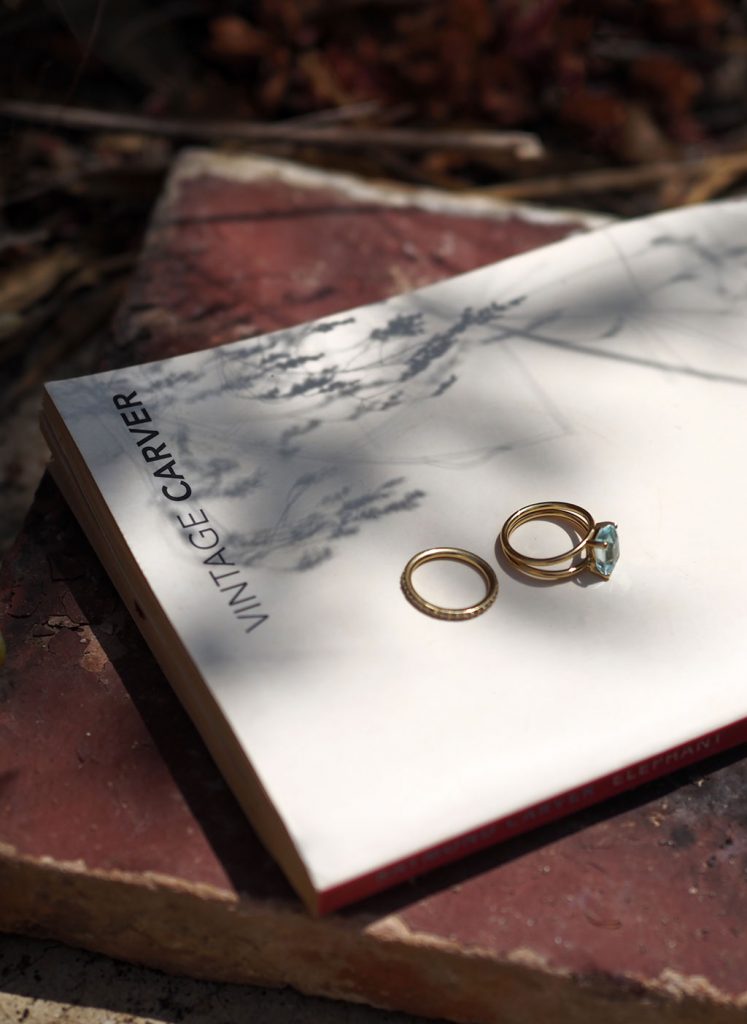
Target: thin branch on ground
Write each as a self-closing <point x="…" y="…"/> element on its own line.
<point x="519" y="145"/>
<point x="724" y="167"/>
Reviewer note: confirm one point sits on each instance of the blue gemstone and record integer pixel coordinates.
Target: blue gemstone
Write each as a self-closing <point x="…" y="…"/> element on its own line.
<point x="605" y="558"/>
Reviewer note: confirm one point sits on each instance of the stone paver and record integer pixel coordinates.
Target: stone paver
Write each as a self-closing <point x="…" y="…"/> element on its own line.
<point x="116" y="832"/>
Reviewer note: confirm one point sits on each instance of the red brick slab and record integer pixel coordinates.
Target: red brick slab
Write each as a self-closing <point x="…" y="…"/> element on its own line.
<point x="118" y="834"/>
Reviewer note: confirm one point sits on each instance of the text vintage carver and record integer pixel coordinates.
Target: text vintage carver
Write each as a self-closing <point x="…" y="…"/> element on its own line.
<point x="201" y="535"/>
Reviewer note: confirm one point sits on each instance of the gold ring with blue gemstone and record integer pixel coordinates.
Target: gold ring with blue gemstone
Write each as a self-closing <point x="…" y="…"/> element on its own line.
<point x="597" y="550"/>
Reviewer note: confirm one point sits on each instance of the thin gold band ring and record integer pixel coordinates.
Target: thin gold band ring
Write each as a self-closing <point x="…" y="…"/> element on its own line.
<point x="480" y="566"/>
<point x="598" y="543"/>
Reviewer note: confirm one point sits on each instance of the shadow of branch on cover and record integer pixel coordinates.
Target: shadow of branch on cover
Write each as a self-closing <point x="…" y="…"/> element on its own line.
<point x="312" y="433"/>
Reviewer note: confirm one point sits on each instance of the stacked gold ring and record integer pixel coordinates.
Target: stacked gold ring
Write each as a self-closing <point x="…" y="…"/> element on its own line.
<point x="590" y="541"/>
<point x="480" y="566"/>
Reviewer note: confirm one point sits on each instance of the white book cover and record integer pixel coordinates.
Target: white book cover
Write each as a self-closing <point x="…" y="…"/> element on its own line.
<point x="272" y="490"/>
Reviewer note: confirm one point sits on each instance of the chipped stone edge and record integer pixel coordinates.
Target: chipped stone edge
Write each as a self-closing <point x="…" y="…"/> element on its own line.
<point x="669" y="989"/>
<point x="194" y="162"/>
<point x="140" y="880"/>
<point x="668" y="985"/>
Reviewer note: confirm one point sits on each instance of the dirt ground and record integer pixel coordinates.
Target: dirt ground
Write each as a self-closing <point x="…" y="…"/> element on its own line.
<point x="44" y="983"/>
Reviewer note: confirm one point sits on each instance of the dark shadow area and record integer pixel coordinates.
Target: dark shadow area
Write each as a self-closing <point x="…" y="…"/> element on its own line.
<point x="6" y="780"/>
<point x="40" y="970"/>
<point x="247" y="866"/>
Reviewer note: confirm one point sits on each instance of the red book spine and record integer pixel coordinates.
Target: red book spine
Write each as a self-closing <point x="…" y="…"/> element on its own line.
<point x="531" y="817"/>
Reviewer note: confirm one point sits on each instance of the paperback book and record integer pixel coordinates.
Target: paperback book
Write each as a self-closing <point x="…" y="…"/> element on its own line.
<point x="255" y="505"/>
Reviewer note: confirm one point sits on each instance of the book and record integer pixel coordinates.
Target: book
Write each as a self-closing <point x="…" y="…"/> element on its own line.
<point x="256" y="503"/>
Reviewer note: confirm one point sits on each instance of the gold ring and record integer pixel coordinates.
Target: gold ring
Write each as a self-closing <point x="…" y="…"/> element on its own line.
<point x="598" y="546"/>
<point x="453" y="555"/>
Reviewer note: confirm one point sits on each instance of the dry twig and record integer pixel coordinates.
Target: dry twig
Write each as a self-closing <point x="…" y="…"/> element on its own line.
<point x="726" y="167"/>
<point x="519" y="145"/>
